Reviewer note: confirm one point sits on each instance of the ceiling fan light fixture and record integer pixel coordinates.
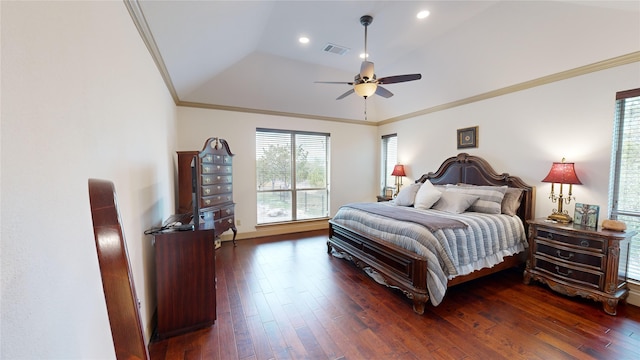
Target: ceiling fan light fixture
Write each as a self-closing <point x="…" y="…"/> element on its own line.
<point x="365" y="89"/>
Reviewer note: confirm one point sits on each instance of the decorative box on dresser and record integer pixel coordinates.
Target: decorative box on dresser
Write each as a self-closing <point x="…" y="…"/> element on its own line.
<point x="212" y="179"/>
<point x="579" y="261"/>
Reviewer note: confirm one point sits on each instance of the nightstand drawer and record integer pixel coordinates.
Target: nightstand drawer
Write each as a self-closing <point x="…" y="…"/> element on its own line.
<point x="584" y="242"/>
<point x="579" y="257"/>
<point x="592" y="279"/>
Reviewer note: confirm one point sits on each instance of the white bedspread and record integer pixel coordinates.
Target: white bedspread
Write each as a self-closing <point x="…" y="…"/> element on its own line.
<point x="485" y="241"/>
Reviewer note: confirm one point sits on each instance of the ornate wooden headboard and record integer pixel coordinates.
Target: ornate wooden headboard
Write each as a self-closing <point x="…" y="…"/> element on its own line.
<point x="469" y="169"/>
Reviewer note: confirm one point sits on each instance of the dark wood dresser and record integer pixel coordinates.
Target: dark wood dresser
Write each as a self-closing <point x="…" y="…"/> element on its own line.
<point x="213" y="169"/>
<point x="579" y="261"/>
<point x="185" y="280"/>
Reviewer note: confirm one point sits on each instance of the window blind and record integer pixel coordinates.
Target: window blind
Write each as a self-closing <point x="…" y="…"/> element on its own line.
<point x="624" y="195"/>
<point x="292" y="172"/>
<point x="389" y="160"/>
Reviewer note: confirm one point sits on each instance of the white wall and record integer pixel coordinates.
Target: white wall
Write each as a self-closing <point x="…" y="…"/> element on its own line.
<point x="354" y="153"/>
<point x="81" y="98"/>
<point x="522" y="133"/>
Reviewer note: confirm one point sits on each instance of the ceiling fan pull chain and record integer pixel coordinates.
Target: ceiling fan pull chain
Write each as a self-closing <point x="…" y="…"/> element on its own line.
<point x="365" y="109"/>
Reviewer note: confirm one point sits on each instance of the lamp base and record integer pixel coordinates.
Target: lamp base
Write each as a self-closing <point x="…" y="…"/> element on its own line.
<point x="560" y="217"/>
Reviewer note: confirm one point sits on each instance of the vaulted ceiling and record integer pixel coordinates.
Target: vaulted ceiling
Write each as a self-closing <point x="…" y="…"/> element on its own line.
<point x="245" y="55"/>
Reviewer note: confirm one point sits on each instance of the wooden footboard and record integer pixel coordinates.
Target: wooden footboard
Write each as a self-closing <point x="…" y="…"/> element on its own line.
<point x="398" y="267"/>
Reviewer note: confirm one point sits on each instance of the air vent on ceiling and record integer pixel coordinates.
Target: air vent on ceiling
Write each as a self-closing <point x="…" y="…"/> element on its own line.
<point x="335" y="49"/>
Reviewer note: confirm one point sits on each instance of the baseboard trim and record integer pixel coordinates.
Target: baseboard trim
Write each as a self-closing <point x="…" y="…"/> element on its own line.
<point x="634" y="294"/>
<point x="279" y="229"/>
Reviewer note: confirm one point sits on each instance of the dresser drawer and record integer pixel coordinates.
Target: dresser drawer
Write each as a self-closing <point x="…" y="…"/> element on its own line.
<point x="559" y="270"/>
<point x="579" y="257"/>
<point x="216" y="189"/>
<point x="208" y="201"/>
<point x="222" y="159"/>
<point x="208" y="158"/>
<point x="216" y="179"/>
<point x="585" y="242"/>
<point x="223" y="225"/>
<point x="220" y="169"/>
<point x="227" y="211"/>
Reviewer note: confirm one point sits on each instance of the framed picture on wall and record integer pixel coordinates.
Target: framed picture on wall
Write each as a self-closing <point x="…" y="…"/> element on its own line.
<point x="586" y="215"/>
<point x="468" y="137"/>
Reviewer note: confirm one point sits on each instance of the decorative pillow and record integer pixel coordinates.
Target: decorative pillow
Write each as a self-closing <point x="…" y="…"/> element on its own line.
<point x="454" y="202"/>
<point x="511" y="201"/>
<point x="490" y="197"/>
<point x="426" y="196"/>
<point x="407" y="196"/>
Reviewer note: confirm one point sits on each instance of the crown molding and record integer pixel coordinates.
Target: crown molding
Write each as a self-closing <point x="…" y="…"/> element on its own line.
<point x="564" y="75"/>
<point x="272" y="113"/>
<point x="133" y="6"/>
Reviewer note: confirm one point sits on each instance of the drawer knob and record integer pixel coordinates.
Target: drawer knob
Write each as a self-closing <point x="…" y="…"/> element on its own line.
<point x="569" y="272"/>
<point x="584" y="243"/>
<point x="550" y="236"/>
<point x="564" y="257"/>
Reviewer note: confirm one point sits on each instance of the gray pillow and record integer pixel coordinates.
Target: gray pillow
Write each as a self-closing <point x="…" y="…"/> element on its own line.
<point x="490" y="197"/>
<point x="511" y="201"/>
<point x="453" y="202"/>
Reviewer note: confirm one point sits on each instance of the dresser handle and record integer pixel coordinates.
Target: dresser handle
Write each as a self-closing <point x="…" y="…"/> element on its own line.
<point x="550" y="236"/>
<point x="584" y="243"/>
<point x="564" y="257"/>
<point x="563" y="274"/>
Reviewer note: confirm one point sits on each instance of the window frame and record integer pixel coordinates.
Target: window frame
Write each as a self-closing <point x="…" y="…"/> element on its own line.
<point x="633" y="269"/>
<point x="294" y="187"/>
<point x="385" y="166"/>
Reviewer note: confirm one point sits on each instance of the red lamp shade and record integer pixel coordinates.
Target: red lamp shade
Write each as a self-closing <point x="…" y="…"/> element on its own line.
<point x="398" y="170"/>
<point x="562" y="173"/>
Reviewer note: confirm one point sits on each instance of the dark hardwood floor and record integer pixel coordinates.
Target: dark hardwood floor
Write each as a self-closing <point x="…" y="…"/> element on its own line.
<point x="286" y="298"/>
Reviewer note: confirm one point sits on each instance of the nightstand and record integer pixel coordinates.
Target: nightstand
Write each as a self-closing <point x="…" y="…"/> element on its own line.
<point x="384" y="198"/>
<point x="579" y="261"/>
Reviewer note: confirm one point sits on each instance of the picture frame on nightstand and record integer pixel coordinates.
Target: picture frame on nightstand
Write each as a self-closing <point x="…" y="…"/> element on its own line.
<point x="586" y="215"/>
<point x="388" y="191"/>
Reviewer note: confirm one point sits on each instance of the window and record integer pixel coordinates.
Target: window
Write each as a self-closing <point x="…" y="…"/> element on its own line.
<point x="389" y="160"/>
<point x="624" y="192"/>
<point x="292" y="175"/>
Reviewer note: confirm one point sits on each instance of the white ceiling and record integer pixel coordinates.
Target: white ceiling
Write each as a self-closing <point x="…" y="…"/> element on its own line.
<point x="245" y="54"/>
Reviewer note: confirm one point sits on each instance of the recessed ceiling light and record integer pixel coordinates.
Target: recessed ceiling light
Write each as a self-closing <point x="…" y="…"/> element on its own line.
<point x="303" y="40"/>
<point x="423" y="14"/>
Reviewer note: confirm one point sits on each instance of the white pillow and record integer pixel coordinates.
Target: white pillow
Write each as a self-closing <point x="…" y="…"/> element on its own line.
<point x="407" y="196"/>
<point x="453" y="202"/>
<point x="426" y="196"/>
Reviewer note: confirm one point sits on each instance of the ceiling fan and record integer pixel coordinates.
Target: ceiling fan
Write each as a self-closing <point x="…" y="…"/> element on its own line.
<point x="365" y="83"/>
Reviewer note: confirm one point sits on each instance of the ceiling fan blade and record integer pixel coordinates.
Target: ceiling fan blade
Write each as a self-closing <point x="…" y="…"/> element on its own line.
<point x="399" y="78"/>
<point x="383" y="92"/>
<point x="366" y="70"/>
<point x="334" y="82"/>
<point x="345" y="94"/>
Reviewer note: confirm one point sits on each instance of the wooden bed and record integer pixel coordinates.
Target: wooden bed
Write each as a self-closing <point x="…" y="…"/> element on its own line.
<point x="406" y="270"/>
